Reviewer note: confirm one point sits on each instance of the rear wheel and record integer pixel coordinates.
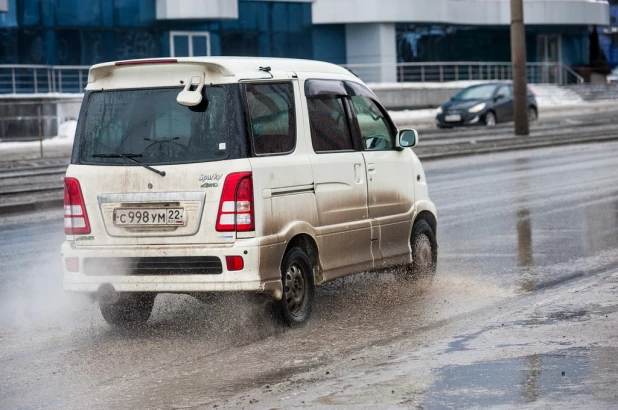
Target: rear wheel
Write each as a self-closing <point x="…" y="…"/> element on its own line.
<point x="132" y="309"/>
<point x="298" y="287"/>
<point x="490" y="119"/>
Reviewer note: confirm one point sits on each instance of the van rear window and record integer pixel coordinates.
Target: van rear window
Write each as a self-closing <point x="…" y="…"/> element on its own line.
<point x="151" y="126"/>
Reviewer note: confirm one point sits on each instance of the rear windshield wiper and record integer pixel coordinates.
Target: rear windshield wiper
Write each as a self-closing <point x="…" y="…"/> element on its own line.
<point x="130" y="157"/>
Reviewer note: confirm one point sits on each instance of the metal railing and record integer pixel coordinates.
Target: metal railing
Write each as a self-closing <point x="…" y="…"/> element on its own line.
<point x="37" y="79"/>
<point x="551" y="73"/>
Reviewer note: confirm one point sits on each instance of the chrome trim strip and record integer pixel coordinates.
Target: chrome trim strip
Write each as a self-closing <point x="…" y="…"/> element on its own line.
<point x="299" y="189"/>
<point x="152" y="197"/>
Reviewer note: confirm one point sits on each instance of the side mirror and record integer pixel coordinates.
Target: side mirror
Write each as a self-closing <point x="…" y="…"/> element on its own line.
<point x="407" y="138"/>
<point x="191" y="95"/>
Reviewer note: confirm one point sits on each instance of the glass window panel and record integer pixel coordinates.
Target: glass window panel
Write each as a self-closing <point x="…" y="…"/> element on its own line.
<point x="150" y="123"/>
<point x="78" y="13"/>
<point x="330" y="130"/>
<point x="272" y="116"/>
<point x="31" y="47"/>
<point x="375" y="129"/>
<point x="93" y="44"/>
<point x="31" y="12"/>
<point x="280" y="18"/>
<point x="9" y="50"/>
<point x="200" y="45"/>
<point x="181" y="45"/>
<point x="137" y="43"/>
<point x="239" y="43"/>
<point x="134" y="13"/>
<point x="9" y="19"/>
<point x="68" y="45"/>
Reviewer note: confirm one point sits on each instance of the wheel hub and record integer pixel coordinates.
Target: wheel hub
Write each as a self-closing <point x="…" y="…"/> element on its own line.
<point x="295" y="288"/>
<point x="423" y="254"/>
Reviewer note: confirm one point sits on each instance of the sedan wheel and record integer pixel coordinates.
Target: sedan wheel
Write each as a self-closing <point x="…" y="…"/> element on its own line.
<point x="532" y="115"/>
<point x="490" y="119"/>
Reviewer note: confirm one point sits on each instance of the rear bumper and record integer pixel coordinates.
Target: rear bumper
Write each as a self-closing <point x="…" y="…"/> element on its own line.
<point x="250" y="278"/>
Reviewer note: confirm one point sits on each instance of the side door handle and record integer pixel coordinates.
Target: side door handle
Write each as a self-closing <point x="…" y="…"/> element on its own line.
<point x="357" y="174"/>
<point x="371" y="167"/>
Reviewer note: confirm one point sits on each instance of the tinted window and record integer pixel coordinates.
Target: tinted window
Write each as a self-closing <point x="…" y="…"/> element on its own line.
<point x="329" y="126"/>
<point x="151" y="125"/>
<point x="506" y="90"/>
<point x="271" y="112"/>
<point x="375" y="129"/>
<point x="481" y="92"/>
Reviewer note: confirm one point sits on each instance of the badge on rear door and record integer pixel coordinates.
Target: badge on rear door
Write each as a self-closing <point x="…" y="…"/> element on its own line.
<point x="210" y="180"/>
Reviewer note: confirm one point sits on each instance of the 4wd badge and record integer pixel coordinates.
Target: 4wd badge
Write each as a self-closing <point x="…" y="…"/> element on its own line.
<point x="210" y="185"/>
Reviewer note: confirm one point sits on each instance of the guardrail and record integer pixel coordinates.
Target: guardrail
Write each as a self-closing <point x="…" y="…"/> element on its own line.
<point x="35" y="79"/>
<point x="551" y="73"/>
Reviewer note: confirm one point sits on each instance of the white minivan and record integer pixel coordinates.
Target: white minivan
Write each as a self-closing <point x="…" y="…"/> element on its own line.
<point x="260" y="175"/>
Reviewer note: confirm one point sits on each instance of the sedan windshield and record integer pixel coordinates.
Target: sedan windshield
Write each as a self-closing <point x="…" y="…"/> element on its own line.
<point x="151" y="125"/>
<point x="479" y="92"/>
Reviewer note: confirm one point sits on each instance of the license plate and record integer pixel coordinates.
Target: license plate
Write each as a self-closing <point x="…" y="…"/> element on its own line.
<point x="149" y="216"/>
<point x="452" y="118"/>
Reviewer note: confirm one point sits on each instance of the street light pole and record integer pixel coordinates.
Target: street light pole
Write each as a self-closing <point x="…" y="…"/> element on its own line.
<point x="518" y="59"/>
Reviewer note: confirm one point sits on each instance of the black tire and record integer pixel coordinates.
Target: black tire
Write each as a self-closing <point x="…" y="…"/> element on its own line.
<point x="532" y="114"/>
<point x="490" y="119"/>
<point x="294" y="308"/>
<point x="424" y="253"/>
<point x="132" y="309"/>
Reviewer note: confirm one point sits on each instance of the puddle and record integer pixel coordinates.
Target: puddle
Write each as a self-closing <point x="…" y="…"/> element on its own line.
<point x="524" y="380"/>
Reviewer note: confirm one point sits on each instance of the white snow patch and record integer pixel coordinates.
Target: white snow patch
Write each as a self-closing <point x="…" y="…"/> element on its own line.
<point x="407" y="116"/>
<point x="66" y="131"/>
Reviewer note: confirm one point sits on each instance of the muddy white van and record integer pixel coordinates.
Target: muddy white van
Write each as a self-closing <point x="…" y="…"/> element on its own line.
<point x="198" y="175"/>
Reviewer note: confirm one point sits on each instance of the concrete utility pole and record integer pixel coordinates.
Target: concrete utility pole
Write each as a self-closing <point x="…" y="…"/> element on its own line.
<point x="518" y="59"/>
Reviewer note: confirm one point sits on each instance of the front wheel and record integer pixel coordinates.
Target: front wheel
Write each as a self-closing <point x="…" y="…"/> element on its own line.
<point x="532" y="115"/>
<point x="424" y="253"/>
<point x="132" y="309"/>
<point x="490" y="119"/>
<point x="298" y="287"/>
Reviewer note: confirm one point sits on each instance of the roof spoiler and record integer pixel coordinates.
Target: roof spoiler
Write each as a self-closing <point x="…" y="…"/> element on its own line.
<point x="101" y="70"/>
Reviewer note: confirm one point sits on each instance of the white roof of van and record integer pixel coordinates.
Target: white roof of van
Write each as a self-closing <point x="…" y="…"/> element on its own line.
<point x="227" y="66"/>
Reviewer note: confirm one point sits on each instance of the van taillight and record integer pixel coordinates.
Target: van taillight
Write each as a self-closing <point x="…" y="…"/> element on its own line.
<point x="75" y="216"/>
<point x="236" y="206"/>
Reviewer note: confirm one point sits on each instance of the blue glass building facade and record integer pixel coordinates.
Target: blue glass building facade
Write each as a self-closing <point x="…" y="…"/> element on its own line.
<point x="86" y="32"/>
<point x="609" y="36"/>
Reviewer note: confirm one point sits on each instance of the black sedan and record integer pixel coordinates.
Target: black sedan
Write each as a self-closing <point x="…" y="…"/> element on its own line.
<point x="485" y="104"/>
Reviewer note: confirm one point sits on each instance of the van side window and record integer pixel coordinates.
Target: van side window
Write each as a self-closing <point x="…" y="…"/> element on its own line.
<point x="272" y="116"/>
<point x="375" y="129"/>
<point x="330" y="130"/>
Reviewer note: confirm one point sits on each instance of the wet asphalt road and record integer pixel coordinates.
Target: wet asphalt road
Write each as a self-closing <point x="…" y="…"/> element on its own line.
<point x="523" y="312"/>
